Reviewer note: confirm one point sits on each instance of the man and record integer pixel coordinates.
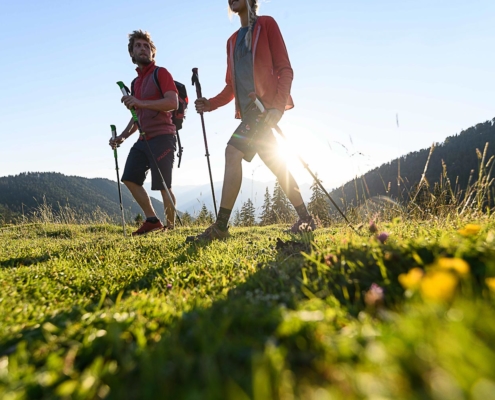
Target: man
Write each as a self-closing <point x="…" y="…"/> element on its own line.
<point x="257" y="61"/>
<point x="159" y="138"/>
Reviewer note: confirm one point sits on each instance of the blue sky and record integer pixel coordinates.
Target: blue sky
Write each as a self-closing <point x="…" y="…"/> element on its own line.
<point x="357" y="65"/>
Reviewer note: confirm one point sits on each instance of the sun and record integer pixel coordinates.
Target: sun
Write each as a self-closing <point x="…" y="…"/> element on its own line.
<point x="288" y="154"/>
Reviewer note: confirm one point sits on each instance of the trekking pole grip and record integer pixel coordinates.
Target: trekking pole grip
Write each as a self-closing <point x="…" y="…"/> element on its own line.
<point x="257" y="102"/>
<point x="195" y="82"/>
<point x="125" y="91"/>
<point x="114" y="131"/>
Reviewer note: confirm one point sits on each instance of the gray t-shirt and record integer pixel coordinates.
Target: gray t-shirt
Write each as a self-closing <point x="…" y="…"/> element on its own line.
<point x="243" y="63"/>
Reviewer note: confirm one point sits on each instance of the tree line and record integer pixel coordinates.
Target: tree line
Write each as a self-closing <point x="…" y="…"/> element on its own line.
<point x="276" y="209"/>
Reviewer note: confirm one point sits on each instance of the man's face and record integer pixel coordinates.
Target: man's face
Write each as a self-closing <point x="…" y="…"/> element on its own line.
<point x="141" y="52"/>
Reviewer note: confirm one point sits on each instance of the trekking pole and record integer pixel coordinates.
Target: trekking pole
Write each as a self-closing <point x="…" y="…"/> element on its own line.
<point x="114" y="135"/>
<point x="195" y="82"/>
<point x="126" y="92"/>
<point x="261" y="107"/>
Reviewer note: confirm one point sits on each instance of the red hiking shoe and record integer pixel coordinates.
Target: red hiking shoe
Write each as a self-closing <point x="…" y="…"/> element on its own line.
<point x="147" y="227"/>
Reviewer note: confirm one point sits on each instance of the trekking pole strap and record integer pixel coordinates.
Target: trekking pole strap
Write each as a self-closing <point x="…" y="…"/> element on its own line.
<point x="179" y="153"/>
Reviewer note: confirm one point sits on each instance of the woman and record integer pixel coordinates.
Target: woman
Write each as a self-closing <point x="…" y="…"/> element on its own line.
<point x="257" y="62"/>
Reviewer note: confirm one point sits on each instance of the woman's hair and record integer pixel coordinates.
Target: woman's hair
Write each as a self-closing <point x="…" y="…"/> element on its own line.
<point x="252" y="6"/>
<point x="141" y="35"/>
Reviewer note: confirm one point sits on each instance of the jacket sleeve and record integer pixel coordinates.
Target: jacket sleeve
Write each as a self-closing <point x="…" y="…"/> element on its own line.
<point x="227" y="94"/>
<point x="281" y="64"/>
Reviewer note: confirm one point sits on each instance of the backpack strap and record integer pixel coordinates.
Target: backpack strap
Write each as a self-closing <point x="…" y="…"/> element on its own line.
<point x="157" y="83"/>
<point x="155" y="79"/>
<point x="132" y="86"/>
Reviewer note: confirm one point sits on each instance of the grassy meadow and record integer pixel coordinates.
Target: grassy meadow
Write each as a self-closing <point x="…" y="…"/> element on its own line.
<point x="402" y="310"/>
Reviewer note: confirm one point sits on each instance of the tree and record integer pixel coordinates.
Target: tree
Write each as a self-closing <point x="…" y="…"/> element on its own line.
<point x="205" y="216"/>
<point x="236" y="219"/>
<point x="266" y="210"/>
<point x="247" y="214"/>
<point x="187" y="219"/>
<point x="282" y="210"/>
<point x="139" y="219"/>
<point x="318" y="205"/>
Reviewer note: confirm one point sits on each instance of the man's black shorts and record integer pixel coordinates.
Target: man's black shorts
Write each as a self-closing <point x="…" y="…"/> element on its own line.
<point x="140" y="161"/>
<point x="252" y="135"/>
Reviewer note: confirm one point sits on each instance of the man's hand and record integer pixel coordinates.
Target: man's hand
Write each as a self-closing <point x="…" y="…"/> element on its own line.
<point x="131" y="102"/>
<point x="202" y="105"/>
<point x="273" y="115"/>
<point x="114" y="143"/>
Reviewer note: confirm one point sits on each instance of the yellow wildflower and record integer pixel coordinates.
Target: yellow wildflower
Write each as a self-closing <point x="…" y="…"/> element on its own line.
<point x="490" y="282"/>
<point x="454" y="264"/>
<point x="470" y="230"/>
<point x="412" y="279"/>
<point x="439" y="285"/>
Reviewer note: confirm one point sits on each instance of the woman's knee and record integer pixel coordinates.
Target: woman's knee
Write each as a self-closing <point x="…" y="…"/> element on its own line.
<point x="233" y="155"/>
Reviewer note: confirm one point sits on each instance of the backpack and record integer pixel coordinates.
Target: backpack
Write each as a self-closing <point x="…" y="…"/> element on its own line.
<point x="178" y="115"/>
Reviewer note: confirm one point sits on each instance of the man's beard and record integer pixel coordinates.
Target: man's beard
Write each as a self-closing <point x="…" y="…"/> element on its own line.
<point x="145" y="60"/>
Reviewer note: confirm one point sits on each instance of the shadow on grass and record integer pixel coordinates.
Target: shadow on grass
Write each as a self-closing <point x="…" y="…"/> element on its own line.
<point x="212" y="353"/>
<point x="26" y="261"/>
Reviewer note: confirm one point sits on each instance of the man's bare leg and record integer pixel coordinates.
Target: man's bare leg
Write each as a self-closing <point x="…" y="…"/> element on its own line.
<point x="169" y="209"/>
<point x="142" y="198"/>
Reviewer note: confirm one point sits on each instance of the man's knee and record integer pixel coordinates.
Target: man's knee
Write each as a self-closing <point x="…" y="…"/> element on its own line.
<point x="129" y="184"/>
<point x="165" y="197"/>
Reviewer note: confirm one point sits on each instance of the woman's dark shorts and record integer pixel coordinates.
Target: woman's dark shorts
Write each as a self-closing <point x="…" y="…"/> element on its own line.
<point x="140" y="160"/>
<point x="252" y="135"/>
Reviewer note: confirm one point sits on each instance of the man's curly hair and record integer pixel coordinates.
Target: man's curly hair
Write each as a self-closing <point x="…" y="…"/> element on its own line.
<point x="141" y="35"/>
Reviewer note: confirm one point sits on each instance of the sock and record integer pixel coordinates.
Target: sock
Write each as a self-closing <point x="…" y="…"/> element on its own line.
<point x="223" y="218"/>
<point x="153" y="220"/>
<point x="302" y="211"/>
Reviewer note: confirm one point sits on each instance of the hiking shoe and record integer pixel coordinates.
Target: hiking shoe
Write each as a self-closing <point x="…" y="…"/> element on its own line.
<point x="302" y="225"/>
<point x="147" y="227"/>
<point x="213" y="232"/>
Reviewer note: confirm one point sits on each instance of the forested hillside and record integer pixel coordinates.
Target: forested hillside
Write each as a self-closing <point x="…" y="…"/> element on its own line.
<point x="458" y="153"/>
<point x="24" y="193"/>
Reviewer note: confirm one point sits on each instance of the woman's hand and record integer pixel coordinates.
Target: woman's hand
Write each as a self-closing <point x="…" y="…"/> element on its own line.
<point x="202" y="105"/>
<point x="273" y="115"/>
